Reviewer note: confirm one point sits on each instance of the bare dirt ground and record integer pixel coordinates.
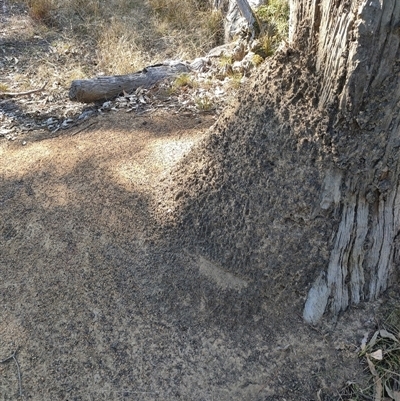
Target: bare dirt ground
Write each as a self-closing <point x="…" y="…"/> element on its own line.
<point x="104" y="298"/>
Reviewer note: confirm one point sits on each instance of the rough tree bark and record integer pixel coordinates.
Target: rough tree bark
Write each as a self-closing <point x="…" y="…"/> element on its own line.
<point x="354" y="47"/>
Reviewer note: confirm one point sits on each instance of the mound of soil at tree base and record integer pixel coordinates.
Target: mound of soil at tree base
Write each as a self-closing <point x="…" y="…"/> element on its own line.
<point x="247" y="199"/>
<point x="245" y="206"/>
<point x="125" y="275"/>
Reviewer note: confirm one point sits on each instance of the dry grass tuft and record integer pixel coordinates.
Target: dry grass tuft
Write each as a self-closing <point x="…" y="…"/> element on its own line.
<point x="181" y="81"/>
<point x="274" y="17"/>
<point x="188" y="25"/>
<point x="41" y="11"/>
<point x="4" y="87"/>
<point x="204" y="103"/>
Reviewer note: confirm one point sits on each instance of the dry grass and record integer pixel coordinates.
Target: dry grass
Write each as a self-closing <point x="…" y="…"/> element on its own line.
<point x="111" y="37"/>
<point x="119" y="51"/>
<point x="94" y="37"/>
<point x="126" y="35"/>
<point x="41" y="10"/>
<point x="381" y="356"/>
<point x="3" y="87"/>
<point x="274" y="18"/>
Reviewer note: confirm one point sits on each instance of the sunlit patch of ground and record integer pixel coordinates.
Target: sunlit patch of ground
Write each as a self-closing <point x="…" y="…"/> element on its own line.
<point x="157" y="158"/>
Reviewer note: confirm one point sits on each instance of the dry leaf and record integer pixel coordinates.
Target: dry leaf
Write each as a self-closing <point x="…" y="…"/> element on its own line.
<point x="378" y="355"/>
<point x="377" y="381"/>
<point x="386" y="334"/>
<point x="372" y="342"/>
<point x="394" y="395"/>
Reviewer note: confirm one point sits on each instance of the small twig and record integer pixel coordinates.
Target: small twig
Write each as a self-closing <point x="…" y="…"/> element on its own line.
<point x="82" y="129"/>
<point x="13" y="356"/>
<point x="16" y="94"/>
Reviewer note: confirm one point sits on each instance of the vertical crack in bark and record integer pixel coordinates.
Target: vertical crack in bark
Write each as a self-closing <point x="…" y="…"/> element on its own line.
<point x="356" y="260"/>
<point x="387" y="44"/>
<point x="300" y="12"/>
<point x="338" y="264"/>
<point x="382" y="253"/>
<point x="388" y="217"/>
<point x="333" y="50"/>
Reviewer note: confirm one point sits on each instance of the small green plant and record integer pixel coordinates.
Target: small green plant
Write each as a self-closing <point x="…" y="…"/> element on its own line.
<point x="204" y="103"/>
<point x="3" y="87"/>
<point x="274" y="18"/>
<point x="225" y="64"/>
<point x="257" y="60"/>
<point x="225" y="61"/>
<point x="267" y="45"/>
<point x="275" y="13"/>
<point x="181" y="81"/>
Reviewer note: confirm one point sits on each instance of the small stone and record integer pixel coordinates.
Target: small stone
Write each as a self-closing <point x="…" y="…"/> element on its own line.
<point x="106" y="106"/>
<point x="86" y="114"/>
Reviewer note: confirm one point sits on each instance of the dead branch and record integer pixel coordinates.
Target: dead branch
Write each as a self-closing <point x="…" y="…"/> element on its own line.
<point x="17" y="94"/>
<point x="83" y="128"/>
<point x="14" y="356"/>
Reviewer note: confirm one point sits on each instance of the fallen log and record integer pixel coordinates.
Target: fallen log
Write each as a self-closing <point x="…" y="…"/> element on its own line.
<point x="108" y="87"/>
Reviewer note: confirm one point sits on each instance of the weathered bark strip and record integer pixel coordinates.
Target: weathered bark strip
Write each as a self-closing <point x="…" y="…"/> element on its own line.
<point x="102" y="88"/>
<point x="247" y="12"/>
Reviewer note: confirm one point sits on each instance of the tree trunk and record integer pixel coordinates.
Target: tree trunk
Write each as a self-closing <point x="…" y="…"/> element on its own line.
<point x="238" y="14"/>
<point x="354" y="48"/>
